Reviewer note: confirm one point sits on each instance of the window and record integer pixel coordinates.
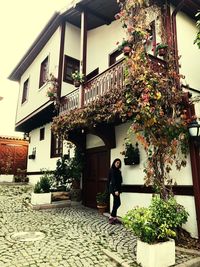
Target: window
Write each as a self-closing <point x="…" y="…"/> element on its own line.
<point x="42" y="131"/>
<point x="25" y="91"/>
<point x="71" y="64"/>
<point x="151" y="42"/>
<point x="56" y="146"/>
<point x="92" y="74"/>
<point x="115" y="56"/>
<point x="43" y="72"/>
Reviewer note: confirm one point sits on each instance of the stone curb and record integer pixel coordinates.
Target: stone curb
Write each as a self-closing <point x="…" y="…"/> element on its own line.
<point x="114" y="256"/>
<point x="191" y="263"/>
<point x="59" y="204"/>
<point x="188" y="251"/>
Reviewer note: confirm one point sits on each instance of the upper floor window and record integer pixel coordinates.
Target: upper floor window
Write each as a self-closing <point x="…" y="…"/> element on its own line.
<point x="115" y="56"/>
<point x="92" y="74"/>
<point x="25" y="91"/>
<point x="42" y="132"/>
<point x="71" y="64"/>
<point x="56" y="146"/>
<point x="43" y="72"/>
<point x="151" y="41"/>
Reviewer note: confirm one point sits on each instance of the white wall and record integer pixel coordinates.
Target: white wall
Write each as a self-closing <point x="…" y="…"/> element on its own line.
<point x="102" y="41"/>
<point x="72" y="49"/>
<point x="37" y="96"/>
<point x="134" y="175"/>
<point x="43" y="147"/>
<point x="189" y="52"/>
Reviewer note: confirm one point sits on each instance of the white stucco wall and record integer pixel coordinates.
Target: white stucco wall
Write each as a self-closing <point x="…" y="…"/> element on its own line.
<point x="37" y="96"/>
<point x="72" y="49"/>
<point x="101" y="42"/>
<point x="189" y="52"/>
<point x="42" y="159"/>
<point x="93" y="141"/>
<point x="134" y="175"/>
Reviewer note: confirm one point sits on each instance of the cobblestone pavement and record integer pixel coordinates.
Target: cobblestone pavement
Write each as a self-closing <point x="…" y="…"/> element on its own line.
<point x="73" y="236"/>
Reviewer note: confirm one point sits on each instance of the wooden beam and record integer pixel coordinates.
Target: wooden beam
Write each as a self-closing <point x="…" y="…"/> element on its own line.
<point x="81" y="7"/>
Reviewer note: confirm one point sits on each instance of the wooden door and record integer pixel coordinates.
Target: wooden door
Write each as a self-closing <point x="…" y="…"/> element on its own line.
<point x="12" y="157"/>
<point x="95" y="174"/>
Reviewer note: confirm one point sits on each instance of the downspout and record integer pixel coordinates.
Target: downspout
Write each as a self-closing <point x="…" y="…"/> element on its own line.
<point x="174" y="33"/>
<point x="194" y="151"/>
<point x="61" y="58"/>
<point x="83" y="54"/>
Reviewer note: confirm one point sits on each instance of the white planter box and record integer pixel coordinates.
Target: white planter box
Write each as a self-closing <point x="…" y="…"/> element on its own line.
<point x="41" y="198"/>
<point x="6" y="178"/>
<point x="156" y="255"/>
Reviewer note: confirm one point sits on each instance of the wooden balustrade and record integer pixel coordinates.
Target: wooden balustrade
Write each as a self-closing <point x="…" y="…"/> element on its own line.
<point x="102" y="83"/>
<point x="70" y="101"/>
<point x="98" y="86"/>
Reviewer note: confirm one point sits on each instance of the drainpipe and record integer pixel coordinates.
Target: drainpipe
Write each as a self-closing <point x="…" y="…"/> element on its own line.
<point x="61" y="58"/>
<point x="83" y="53"/>
<point x="194" y="151"/>
<point x="174" y="32"/>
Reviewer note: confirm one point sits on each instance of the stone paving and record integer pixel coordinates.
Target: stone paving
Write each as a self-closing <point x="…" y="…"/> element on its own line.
<point x="70" y="237"/>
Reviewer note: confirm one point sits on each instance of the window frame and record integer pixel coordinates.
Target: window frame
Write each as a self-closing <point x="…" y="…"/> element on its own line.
<point x="44" y="68"/>
<point x="71" y="64"/>
<point x="25" y="91"/>
<point x="56" y="146"/>
<point x="42" y="134"/>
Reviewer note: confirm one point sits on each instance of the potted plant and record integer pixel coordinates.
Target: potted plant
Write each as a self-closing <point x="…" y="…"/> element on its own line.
<point x="52" y="93"/>
<point x="161" y="49"/>
<point x="156" y="228"/>
<point x="52" y="90"/>
<point x="41" y="193"/>
<point x="125" y="46"/>
<point x="102" y="199"/>
<point x="131" y="154"/>
<point x="78" y="78"/>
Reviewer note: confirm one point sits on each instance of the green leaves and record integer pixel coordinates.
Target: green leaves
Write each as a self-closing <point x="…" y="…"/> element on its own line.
<point x="158" y="222"/>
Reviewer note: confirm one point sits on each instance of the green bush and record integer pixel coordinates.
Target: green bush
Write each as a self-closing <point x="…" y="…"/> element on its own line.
<point x="43" y="185"/>
<point x="158" y="222"/>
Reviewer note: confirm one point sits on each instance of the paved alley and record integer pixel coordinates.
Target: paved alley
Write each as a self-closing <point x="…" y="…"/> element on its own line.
<point x="64" y="237"/>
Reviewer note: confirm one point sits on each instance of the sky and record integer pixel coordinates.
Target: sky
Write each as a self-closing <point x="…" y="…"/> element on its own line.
<point x="21" y="21"/>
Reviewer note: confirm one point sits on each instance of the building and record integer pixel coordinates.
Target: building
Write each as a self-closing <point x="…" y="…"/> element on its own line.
<point x="85" y="36"/>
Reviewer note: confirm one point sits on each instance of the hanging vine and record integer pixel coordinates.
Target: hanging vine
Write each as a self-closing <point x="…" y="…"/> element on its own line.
<point x="160" y="121"/>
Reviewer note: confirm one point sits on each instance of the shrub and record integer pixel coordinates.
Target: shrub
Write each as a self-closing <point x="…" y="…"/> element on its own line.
<point x="43" y="185"/>
<point x="158" y="222"/>
<point x="102" y="198"/>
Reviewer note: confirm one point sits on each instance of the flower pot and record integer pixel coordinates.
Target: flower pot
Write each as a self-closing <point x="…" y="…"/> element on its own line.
<point x="6" y="178"/>
<point x="102" y="208"/>
<point x="77" y="83"/>
<point x="52" y="98"/>
<point x="126" y="50"/>
<point x="132" y="161"/>
<point x="40" y="198"/>
<point x="162" y="52"/>
<point x="156" y="255"/>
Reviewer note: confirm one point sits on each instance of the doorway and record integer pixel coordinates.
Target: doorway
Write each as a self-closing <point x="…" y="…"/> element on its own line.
<point x="95" y="174"/>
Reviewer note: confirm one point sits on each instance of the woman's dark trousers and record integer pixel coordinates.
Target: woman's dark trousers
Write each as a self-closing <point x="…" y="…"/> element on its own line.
<point x="116" y="204"/>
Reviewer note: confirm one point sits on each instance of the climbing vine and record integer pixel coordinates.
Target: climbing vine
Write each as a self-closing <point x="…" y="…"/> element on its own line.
<point x="160" y="121"/>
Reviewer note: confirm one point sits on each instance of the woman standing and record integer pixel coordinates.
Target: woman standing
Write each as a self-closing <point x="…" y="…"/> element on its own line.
<point x="115" y="181"/>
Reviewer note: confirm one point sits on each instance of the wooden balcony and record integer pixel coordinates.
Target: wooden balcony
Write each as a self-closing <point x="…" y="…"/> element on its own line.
<point x="102" y="83"/>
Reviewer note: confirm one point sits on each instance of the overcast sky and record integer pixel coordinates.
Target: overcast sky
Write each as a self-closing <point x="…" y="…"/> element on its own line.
<point x="20" y="23"/>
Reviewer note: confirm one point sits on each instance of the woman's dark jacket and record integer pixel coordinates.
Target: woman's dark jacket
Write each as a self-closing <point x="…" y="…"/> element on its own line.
<point x="115" y="180"/>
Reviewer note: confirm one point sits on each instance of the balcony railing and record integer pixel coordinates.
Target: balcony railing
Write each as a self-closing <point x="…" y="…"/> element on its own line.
<point x="102" y="83"/>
